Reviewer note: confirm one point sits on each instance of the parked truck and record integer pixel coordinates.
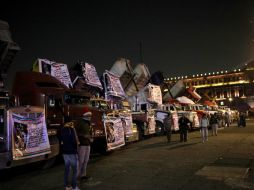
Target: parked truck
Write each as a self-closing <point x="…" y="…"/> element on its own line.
<point x="59" y="102"/>
<point x="149" y="112"/>
<point x="116" y="97"/>
<point x="179" y="110"/>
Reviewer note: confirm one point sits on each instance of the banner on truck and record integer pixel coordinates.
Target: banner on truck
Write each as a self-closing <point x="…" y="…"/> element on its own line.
<point x="154" y="93"/>
<point x="114" y="133"/>
<point x="58" y="70"/>
<point x="151" y="124"/>
<point x="29" y="135"/>
<point x="175" y="122"/>
<point x="127" y="123"/>
<point x="90" y="75"/>
<point x="113" y="85"/>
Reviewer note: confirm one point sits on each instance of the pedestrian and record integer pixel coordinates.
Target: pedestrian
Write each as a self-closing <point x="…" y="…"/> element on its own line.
<point x="83" y="127"/>
<point x="204" y="122"/>
<point x="214" y="122"/>
<point x="227" y="119"/>
<point x="242" y="120"/>
<point x="184" y="124"/>
<point x="167" y="125"/>
<point x="69" y="145"/>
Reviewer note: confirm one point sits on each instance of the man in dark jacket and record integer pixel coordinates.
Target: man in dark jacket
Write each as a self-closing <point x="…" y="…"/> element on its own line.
<point x="184" y="124"/>
<point x="83" y="128"/>
<point x="167" y="125"/>
<point x="69" y="144"/>
<point x="214" y="122"/>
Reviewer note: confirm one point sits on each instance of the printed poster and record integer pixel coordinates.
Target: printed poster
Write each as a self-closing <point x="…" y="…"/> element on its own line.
<point x="154" y="93"/>
<point x="29" y="135"/>
<point x="61" y="72"/>
<point x="91" y="76"/>
<point x="150" y="128"/>
<point x="127" y="123"/>
<point x="151" y="124"/>
<point x="114" y="133"/>
<point x="113" y="85"/>
<point x="175" y="122"/>
<point x="58" y="70"/>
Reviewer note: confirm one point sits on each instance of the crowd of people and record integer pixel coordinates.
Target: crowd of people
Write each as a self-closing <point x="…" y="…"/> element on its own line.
<point x="206" y="120"/>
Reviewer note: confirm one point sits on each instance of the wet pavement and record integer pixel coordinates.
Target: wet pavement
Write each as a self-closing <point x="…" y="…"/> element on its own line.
<point x="223" y="162"/>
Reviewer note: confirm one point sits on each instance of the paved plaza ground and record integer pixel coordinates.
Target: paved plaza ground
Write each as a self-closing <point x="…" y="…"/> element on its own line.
<point x="224" y="162"/>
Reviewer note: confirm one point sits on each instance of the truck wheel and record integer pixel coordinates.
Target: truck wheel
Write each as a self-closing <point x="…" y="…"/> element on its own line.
<point x="159" y="129"/>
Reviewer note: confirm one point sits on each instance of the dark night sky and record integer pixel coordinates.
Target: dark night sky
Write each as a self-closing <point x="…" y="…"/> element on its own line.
<point x="178" y="37"/>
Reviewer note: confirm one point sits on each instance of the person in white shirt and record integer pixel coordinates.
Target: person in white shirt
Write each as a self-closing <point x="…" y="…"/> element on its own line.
<point x="204" y="122"/>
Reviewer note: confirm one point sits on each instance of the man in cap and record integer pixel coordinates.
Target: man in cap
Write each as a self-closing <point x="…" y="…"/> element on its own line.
<point x="83" y="128"/>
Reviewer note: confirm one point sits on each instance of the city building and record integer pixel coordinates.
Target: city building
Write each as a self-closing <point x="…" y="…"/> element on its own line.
<point x="234" y="88"/>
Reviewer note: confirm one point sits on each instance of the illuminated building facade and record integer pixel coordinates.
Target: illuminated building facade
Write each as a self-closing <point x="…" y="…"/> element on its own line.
<point x="230" y="88"/>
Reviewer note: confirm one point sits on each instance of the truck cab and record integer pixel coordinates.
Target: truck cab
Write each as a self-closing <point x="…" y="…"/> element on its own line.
<point x="143" y="115"/>
<point x="190" y="114"/>
<point x="75" y="104"/>
<point x="171" y="109"/>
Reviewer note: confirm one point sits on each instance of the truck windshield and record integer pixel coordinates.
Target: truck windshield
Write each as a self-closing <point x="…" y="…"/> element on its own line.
<point x="104" y="105"/>
<point x="100" y="104"/>
<point x="76" y="99"/>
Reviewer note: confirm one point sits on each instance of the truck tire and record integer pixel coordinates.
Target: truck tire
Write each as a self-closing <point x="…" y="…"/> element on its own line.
<point x="159" y="129"/>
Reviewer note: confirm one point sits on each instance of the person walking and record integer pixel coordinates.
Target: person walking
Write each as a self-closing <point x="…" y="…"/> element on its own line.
<point x="204" y="122"/>
<point x="184" y="124"/>
<point x="69" y="145"/>
<point x="227" y="119"/>
<point x="167" y="125"/>
<point x="83" y="128"/>
<point x="242" y="120"/>
<point x="214" y="122"/>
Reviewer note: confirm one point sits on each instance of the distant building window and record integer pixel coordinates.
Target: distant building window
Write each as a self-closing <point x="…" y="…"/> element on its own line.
<point x="218" y="94"/>
<point x="225" y="94"/>
<point x="232" y="93"/>
<point x="241" y="92"/>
